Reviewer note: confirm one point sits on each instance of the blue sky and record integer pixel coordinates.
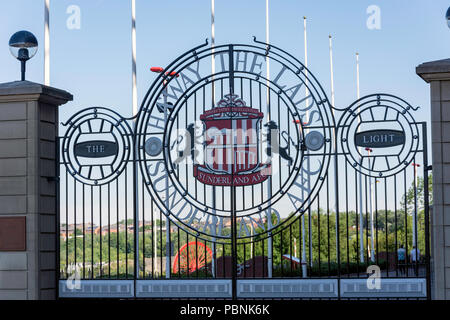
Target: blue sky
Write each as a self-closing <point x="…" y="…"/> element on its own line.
<point x="94" y="63"/>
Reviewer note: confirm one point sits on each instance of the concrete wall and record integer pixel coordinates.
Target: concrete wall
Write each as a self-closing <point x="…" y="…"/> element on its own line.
<point x="437" y="73"/>
<point x="28" y="131"/>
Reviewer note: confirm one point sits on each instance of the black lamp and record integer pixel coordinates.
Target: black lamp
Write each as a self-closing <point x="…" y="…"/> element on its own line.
<point x="447" y="17"/>
<point x="23" y="46"/>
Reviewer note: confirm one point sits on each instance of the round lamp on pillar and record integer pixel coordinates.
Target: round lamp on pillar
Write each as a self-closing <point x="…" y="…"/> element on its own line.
<point x="23" y="46"/>
<point x="447" y="17"/>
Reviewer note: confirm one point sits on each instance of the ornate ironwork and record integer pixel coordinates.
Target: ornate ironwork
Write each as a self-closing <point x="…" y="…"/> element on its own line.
<point x="382" y="122"/>
<point x="221" y="103"/>
<point x="98" y="133"/>
<point x="226" y="164"/>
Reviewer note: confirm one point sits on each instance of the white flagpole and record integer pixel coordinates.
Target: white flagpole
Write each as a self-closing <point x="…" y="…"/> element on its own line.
<point x="357" y="76"/>
<point x="334" y="133"/>
<point x="308" y="163"/>
<point x="134" y="110"/>
<point x="47" y="44"/>
<point x="361" y="218"/>
<point x="213" y="38"/>
<point x="306" y="58"/>
<point x="267" y="38"/>
<point x="269" y="189"/>
<point x="331" y="70"/>
<point x="133" y="49"/>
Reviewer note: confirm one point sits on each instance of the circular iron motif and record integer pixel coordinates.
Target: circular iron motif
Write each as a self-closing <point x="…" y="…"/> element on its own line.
<point x="378" y="135"/>
<point x="153" y="146"/>
<point x="96" y="146"/>
<point x="234" y="148"/>
<point x="314" y="140"/>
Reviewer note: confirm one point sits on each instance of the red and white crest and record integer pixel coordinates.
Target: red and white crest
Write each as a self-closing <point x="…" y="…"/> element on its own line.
<point x="231" y="150"/>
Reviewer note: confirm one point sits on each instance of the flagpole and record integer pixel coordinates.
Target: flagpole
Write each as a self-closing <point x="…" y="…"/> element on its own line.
<point x="133" y="50"/>
<point x="304" y="269"/>
<point x="47" y="44"/>
<point x="331" y="70"/>
<point x="308" y="162"/>
<point x="334" y="135"/>
<point x="213" y="39"/>
<point x="306" y="58"/>
<point x="269" y="181"/>
<point x="134" y="110"/>
<point x="361" y="218"/>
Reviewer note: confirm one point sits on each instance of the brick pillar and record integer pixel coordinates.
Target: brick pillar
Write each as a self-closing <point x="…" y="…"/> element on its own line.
<point x="28" y="198"/>
<point x="437" y="74"/>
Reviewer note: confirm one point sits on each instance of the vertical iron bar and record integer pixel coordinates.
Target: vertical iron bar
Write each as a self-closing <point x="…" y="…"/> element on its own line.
<point x="118" y="229"/>
<point x="377" y="256"/>
<point x="223" y="261"/>
<point x="386" y="226"/>
<point x="300" y="222"/>
<point x="196" y="256"/>
<point x="100" y="230"/>
<point x="395" y="225"/>
<point x="92" y="232"/>
<point x="153" y="239"/>
<point x="426" y="209"/>
<point x="75" y="223"/>
<point x="206" y="259"/>
<point x="187" y="254"/>
<point x="143" y="230"/>
<point x="406" y="222"/>
<point x="160" y="245"/>
<point x="281" y="252"/>
<point x="358" y="208"/>
<point x="179" y="253"/>
<point x="57" y="218"/>
<point x="67" y="224"/>
<point x="109" y="231"/>
<point x="233" y="188"/>
<point x="318" y="233"/>
<point x="84" y="234"/>
<point x="336" y="191"/>
<point x="367" y="223"/>
<point x="415" y="221"/>
<point x="328" y="227"/>
<point x="346" y="219"/>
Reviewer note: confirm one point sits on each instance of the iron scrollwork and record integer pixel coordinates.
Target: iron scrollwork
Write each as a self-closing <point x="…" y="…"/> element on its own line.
<point x="379" y="135"/>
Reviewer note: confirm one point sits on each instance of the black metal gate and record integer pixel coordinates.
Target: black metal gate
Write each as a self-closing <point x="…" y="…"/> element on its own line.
<point x="238" y="179"/>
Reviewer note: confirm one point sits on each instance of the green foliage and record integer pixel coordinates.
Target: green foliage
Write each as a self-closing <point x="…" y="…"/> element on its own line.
<point x="392" y="229"/>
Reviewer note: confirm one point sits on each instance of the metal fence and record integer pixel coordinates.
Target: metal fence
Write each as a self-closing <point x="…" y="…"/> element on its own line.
<point x="363" y="208"/>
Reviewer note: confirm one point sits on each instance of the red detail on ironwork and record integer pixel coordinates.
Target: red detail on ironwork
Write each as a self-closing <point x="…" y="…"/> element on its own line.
<point x="192" y="256"/>
<point x="232" y="155"/>
<point x="172" y="74"/>
<point x="160" y="70"/>
<point x="238" y="180"/>
<point x="156" y="69"/>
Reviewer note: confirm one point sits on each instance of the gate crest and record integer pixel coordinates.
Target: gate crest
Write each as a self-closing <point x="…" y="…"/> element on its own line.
<point x="232" y="145"/>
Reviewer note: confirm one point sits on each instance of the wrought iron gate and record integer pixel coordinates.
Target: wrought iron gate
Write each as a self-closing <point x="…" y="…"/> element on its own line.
<point x="233" y="182"/>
